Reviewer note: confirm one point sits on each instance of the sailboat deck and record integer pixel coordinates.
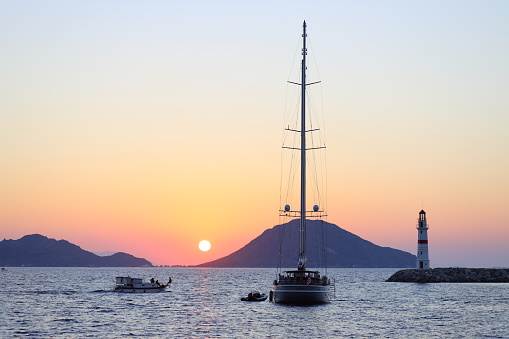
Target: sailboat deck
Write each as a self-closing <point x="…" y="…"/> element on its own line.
<point x="301" y="278"/>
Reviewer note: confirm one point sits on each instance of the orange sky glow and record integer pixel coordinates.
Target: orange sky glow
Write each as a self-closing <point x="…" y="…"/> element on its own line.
<point x="149" y="138"/>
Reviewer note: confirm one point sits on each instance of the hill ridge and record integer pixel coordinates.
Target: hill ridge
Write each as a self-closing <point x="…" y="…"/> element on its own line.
<point x="343" y="249"/>
<point x="36" y="250"/>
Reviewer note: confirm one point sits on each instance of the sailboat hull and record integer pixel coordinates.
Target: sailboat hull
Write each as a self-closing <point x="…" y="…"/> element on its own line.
<point x="301" y="294"/>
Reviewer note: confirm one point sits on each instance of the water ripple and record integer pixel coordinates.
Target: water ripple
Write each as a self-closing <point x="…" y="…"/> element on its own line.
<point x="204" y="303"/>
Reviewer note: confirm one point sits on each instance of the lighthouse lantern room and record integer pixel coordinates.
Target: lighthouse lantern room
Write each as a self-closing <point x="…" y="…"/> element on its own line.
<point x="422" y="241"/>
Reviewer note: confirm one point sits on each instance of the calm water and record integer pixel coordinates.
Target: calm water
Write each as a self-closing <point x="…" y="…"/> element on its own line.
<point x="204" y="303"/>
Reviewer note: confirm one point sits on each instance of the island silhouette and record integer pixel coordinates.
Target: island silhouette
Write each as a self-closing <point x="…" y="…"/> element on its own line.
<point x="342" y="249"/>
<point x="36" y="250"/>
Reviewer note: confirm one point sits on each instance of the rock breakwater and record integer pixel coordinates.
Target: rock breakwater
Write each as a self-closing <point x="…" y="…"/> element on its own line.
<point x="452" y="275"/>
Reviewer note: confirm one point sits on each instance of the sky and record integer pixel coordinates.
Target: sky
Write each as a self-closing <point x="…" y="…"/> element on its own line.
<point x="148" y="126"/>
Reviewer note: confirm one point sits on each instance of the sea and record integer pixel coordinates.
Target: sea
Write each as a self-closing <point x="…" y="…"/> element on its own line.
<point x="205" y="303"/>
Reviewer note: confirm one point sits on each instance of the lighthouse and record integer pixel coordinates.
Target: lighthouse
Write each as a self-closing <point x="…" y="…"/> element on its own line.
<point x="422" y="241"/>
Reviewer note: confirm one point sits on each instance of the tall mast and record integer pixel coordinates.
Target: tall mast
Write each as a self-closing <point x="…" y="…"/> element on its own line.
<point x="302" y="244"/>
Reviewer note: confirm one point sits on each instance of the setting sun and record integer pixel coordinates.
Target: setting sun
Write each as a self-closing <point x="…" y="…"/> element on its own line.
<point x="204" y="245"/>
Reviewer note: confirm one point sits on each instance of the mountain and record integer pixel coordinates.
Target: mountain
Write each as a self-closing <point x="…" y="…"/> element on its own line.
<point x="39" y="251"/>
<point x="343" y="249"/>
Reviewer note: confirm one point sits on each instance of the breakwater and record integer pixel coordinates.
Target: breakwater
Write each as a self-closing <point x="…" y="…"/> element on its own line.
<point x="452" y="275"/>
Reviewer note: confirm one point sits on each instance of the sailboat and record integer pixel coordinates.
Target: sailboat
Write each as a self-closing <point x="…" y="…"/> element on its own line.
<point x="302" y="286"/>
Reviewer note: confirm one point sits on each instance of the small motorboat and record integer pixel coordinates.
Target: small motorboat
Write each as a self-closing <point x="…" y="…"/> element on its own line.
<point x="136" y="285"/>
<point x="255" y="296"/>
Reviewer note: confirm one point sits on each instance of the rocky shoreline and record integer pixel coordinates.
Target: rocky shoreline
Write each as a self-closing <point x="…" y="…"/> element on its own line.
<point x="452" y="275"/>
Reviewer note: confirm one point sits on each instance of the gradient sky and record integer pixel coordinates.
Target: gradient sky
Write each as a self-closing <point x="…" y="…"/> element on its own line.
<point x="147" y="126"/>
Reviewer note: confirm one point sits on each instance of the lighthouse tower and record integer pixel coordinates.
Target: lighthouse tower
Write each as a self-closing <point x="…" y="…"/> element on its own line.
<point x="422" y="242"/>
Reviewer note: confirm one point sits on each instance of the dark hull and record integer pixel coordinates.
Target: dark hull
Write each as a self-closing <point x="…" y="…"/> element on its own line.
<point x="140" y="289"/>
<point x="263" y="298"/>
<point x="301" y="294"/>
